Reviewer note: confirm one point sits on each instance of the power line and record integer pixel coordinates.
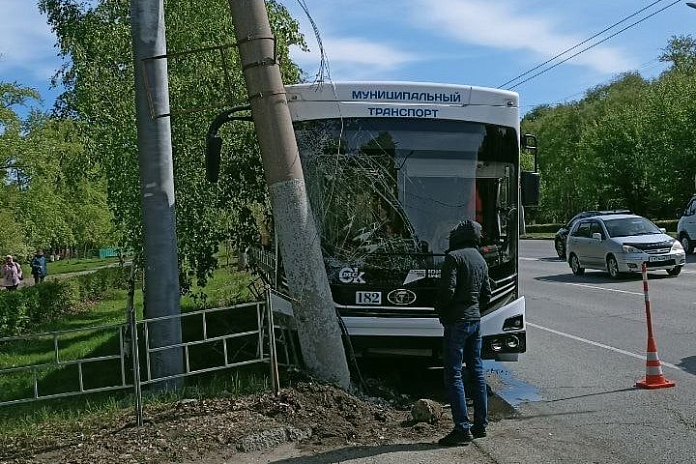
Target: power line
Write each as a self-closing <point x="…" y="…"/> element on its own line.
<point x="580" y="44"/>
<point x="324" y="69"/>
<point x="648" y="65"/>
<point x="595" y="44"/>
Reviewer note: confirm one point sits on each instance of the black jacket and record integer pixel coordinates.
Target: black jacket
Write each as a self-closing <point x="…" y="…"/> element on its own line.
<point x="464" y="286"/>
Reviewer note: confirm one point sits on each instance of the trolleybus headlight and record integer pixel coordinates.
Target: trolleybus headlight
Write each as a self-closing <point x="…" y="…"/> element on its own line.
<point x="512" y="341"/>
<point x="496" y="345"/>
<point x="513" y="323"/>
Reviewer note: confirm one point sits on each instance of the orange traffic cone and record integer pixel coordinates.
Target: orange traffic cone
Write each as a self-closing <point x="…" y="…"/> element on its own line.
<point x="653" y="367"/>
<point x="653" y="375"/>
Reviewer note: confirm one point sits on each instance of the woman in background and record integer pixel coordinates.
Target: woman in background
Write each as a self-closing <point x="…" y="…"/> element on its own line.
<point x="11" y="273"/>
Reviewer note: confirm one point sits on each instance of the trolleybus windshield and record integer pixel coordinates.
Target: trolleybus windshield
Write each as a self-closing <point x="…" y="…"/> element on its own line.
<point x="387" y="191"/>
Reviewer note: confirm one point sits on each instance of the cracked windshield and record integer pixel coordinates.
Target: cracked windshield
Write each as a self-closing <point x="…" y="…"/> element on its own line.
<point x="387" y="192"/>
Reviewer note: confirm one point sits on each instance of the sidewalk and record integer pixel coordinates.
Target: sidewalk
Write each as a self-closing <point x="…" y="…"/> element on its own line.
<point x="401" y="453"/>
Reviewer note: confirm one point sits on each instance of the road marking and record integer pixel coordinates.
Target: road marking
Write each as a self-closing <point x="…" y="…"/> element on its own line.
<point x="604" y="288"/>
<point x="602" y="345"/>
<point x="548" y="260"/>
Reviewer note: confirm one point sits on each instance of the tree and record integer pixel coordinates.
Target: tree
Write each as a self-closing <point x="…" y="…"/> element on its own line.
<point x="681" y="53"/>
<point x="50" y="197"/>
<point x="98" y="74"/>
<point x="626" y="144"/>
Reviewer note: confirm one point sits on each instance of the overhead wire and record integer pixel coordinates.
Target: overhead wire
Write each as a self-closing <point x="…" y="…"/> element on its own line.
<point x="647" y="66"/>
<point x="324" y="69"/>
<point x="583" y="42"/>
<point x="580" y="44"/>
<point x="594" y="45"/>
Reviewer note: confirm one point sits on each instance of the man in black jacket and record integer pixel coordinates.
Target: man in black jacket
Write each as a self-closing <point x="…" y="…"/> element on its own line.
<point x="464" y="290"/>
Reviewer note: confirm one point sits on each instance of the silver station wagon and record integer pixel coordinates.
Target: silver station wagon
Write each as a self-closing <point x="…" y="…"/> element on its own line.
<point x="620" y="243"/>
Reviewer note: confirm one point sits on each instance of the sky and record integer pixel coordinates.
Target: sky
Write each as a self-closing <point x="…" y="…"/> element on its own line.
<point x="470" y="42"/>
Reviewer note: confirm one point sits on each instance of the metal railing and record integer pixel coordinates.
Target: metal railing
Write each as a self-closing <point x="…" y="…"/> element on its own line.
<point x="35" y="370"/>
<point x="209" y="336"/>
<point x="260" y="309"/>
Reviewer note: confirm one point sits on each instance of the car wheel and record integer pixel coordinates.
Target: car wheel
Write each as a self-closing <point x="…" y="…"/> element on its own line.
<point x="560" y="249"/>
<point x="686" y="244"/>
<point x="674" y="271"/>
<point x="575" y="265"/>
<point x="613" y="267"/>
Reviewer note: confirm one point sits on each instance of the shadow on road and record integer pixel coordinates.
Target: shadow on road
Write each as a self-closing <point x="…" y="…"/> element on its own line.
<point x="587" y="395"/>
<point x="688" y="364"/>
<point x="343" y="454"/>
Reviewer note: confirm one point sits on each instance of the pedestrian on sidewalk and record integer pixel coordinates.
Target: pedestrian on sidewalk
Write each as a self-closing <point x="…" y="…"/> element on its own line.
<point x="38" y="267"/>
<point x="464" y="290"/>
<point x="11" y="273"/>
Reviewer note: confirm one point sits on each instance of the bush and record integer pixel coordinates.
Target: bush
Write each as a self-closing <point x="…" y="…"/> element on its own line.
<point x="50" y="300"/>
<point x="13" y="313"/>
<point x="669" y="224"/>
<point x="548" y="228"/>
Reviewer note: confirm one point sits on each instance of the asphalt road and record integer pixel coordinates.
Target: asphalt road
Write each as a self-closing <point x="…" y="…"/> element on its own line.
<point x="586" y="346"/>
<point x="586" y="349"/>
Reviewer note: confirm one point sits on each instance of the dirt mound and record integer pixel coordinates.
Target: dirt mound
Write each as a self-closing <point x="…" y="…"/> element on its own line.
<point x="310" y="413"/>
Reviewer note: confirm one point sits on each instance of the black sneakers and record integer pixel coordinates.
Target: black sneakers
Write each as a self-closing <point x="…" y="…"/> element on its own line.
<point x="478" y="432"/>
<point x="456" y="437"/>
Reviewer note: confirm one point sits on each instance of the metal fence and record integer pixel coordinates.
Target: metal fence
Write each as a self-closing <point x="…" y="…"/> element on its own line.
<point x="212" y="340"/>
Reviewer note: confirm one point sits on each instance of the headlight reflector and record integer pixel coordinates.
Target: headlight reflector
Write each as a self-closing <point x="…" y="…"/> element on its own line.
<point x="630" y="249"/>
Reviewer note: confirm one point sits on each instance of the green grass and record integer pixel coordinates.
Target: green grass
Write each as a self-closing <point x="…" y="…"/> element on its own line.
<point x="65" y="266"/>
<point x="226" y="287"/>
<point x="539" y="236"/>
<point x="45" y="419"/>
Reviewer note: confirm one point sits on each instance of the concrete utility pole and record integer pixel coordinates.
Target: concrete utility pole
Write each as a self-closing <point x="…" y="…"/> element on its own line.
<point x="157" y="189"/>
<point x="319" y="332"/>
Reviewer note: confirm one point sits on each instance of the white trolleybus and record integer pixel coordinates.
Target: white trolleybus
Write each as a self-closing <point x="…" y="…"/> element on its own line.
<point x="390" y="169"/>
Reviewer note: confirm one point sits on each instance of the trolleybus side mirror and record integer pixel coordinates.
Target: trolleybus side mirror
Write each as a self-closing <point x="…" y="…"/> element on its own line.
<point x="530" y="188"/>
<point x="213" y="142"/>
<point x="530" y="180"/>
<point x="213" y="146"/>
<point x="529" y="142"/>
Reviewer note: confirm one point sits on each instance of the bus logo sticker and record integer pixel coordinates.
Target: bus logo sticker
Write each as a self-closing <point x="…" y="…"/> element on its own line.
<point x="413" y="275"/>
<point x="351" y="275"/>
<point x="420" y="274"/>
<point x="401" y="297"/>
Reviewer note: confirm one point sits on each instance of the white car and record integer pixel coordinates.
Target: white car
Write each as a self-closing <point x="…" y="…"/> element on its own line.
<point x="621" y="243"/>
<point x="686" y="229"/>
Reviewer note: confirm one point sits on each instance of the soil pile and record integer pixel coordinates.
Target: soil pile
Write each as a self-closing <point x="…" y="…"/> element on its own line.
<point x="310" y="413"/>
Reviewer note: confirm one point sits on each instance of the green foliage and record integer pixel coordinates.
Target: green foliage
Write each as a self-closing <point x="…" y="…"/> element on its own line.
<point x="627" y="144"/>
<point x="49" y="197"/>
<point x="543" y="228"/>
<point x="96" y="43"/>
<point x="22" y="309"/>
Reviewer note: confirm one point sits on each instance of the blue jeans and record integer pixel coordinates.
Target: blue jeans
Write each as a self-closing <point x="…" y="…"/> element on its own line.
<point x="462" y="342"/>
